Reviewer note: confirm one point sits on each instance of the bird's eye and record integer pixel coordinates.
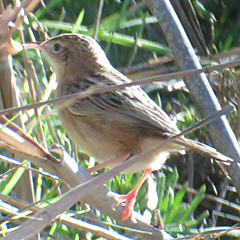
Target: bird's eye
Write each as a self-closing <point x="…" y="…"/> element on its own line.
<point x="57" y="47"/>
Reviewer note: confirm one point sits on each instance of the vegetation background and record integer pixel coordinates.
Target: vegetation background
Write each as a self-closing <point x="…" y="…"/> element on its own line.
<point x="194" y="195"/>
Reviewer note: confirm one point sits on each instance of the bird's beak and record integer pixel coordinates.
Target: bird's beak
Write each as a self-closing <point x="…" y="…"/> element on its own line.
<point x="36" y="45"/>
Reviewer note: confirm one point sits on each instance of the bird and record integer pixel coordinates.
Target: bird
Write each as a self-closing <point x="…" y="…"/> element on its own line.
<point x="115" y="125"/>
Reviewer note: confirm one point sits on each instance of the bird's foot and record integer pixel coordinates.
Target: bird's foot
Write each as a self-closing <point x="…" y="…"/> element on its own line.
<point x="129" y="200"/>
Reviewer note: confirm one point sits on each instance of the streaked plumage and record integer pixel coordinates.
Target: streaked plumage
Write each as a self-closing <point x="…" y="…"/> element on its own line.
<point x="112" y="124"/>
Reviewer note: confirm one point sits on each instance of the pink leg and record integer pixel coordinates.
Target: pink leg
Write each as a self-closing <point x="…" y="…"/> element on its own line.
<point x="130" y="198"/>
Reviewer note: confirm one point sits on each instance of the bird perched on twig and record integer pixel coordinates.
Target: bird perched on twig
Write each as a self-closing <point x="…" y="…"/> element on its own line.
<point x="114" y="125"/>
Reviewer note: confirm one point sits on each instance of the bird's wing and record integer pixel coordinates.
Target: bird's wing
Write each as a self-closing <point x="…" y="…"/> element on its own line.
<point x="130" y="104"/>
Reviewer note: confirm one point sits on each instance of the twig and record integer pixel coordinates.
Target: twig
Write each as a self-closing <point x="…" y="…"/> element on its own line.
<point x="73" y="97"/>
<point x="100" y="7"/>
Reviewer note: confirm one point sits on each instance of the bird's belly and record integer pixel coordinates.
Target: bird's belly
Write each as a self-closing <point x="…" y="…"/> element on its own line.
<point x="154" y="160"/>
<point x="92" y="136"/>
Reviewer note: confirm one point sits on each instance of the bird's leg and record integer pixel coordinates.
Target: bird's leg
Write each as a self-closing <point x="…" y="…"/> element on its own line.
<point x="108" y="163"/>
<point x="130" y="198"/>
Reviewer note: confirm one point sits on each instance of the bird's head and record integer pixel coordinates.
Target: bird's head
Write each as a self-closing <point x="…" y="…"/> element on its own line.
<point x="67" y="53"/>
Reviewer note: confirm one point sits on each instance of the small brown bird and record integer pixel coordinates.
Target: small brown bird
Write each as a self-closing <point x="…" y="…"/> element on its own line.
<point x="115" y="124"/>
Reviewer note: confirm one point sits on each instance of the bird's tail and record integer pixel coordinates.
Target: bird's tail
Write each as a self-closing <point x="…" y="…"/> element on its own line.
<point x="202" y="148"/>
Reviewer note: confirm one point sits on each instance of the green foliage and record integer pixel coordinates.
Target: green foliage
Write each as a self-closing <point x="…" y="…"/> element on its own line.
<point x="226" y="18"/>
<point x="174" y="211"/>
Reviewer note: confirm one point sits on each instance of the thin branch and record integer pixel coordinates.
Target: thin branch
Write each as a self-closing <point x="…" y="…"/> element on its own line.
<point x="100" y="7"/>
<point x="90" y="92"/>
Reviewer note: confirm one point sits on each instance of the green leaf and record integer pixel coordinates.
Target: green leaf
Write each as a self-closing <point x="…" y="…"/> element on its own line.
<point x="51" y="4"/>
<point x="52" y="230"/>
<point x="203" y="216"/>
<point x="172" y="216"/>
<point x="195" y="202"/>
<point x="158" y="100"/>
<point x="14" y="179"/>
<point x="172" y="178"/>
<point x="78" y="22"/>
<point x="161" y="186"/>
<point x="112" y="37"/>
